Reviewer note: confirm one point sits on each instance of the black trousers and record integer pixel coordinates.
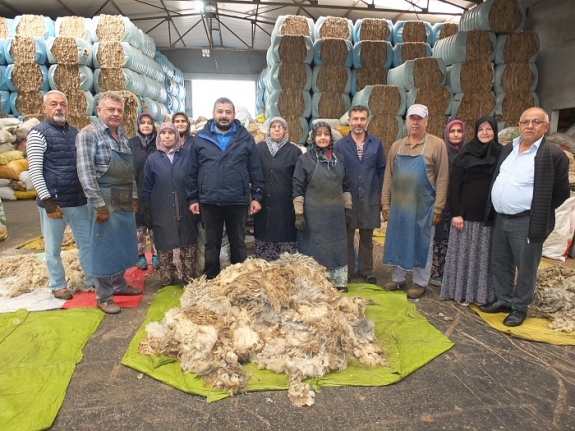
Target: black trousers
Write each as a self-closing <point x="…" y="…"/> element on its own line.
<point x="214" y="217"/>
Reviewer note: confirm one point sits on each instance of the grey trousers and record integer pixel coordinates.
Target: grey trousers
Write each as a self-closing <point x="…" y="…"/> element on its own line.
<point x="107" y="286"/>
<point x="510" y="252"/>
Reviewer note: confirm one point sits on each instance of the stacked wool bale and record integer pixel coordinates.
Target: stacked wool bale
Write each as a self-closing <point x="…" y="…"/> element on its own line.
<point x="27" y="74"/>
<point x="260" y="91"/>
<point x="386" y="104"/>
<point x="333" y="56"/>
<point x="372" y="53"/>
<point x="469" y="56"/>
<point x="288" y="80"/>
<point x="70" y="53"/>
<point x="442" y="30"/>
<point x="6" y="30"/>
<point x="423" y="79"/>
<point x="411" y="40"/>
<point x="173" y="83"/>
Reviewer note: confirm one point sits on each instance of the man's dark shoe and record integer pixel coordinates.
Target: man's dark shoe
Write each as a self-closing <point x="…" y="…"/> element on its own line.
<point x="394" y="285"/>
<point x="62" y="293"/>
<point x="342" y="288"/>
<point x="495" y="307"/>
<point x="370" y="278"/>
<point x="129" y="291"/>
<point x="516" y="318"/>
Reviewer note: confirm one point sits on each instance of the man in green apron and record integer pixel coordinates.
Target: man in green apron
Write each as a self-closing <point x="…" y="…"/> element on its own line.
<point x="413" y="198"/>
<point x="106" y="171"/>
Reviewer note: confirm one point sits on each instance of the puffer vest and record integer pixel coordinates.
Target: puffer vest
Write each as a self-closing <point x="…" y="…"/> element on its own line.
<point x="59" y="171"/>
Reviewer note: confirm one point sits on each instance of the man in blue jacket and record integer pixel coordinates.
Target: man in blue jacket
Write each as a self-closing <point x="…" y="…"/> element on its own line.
<point x="227" y="182"/>
<point x="365" y="162"/>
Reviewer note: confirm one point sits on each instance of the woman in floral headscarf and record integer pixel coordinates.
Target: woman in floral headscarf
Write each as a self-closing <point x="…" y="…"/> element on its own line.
<point x="166" y="206"/>
<point x="322" y="204"/>
<point x="274" y="225"/>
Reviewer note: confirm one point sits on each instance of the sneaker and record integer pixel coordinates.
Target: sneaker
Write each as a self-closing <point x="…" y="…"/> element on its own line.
<point x="155" y="262"/>
<point x="109" y="307"/>
<point x="393" y="285"/>
<point x="142" y="263"/>
<point x="415" y="292"/>
<point x="62" y="293"/>
<point x="436" y="281"/>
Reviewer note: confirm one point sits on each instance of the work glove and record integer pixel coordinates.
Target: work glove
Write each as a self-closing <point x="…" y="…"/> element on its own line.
<point x="53" y="210"/>
<point x="299" y="222"/>
<point x="102" y="214"/>
<point x="348" y="217"/>
<point x="385" y="214"/>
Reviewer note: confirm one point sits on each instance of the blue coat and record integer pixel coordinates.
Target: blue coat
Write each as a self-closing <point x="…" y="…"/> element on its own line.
<point x="366" y="176"/>
<point x="224" y="177"/>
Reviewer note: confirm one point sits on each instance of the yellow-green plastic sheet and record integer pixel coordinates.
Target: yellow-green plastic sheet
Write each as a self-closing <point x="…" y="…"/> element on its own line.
<point x="410" y="340"/>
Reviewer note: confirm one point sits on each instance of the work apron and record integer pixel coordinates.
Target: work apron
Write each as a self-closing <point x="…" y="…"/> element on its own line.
<point x="325" y="235"/>
<point x="410" y="220"/>
<point x="114" y="243"/>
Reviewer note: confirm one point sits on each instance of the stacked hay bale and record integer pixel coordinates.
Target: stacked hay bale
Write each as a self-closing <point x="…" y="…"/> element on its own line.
<point x="333" y="52"/>
<point x="372" y="53"/>
<point x="6" y="30"/>
<point x="442" y="30"/>
<point x="387" y="104"/>
<point x="411" y="39"/>
<point x="288" y="79"/>
<point x="469" y="56"/>
<point x="423" y="79"/>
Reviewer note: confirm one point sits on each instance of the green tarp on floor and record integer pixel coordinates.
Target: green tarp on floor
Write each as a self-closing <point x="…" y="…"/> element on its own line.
<point x="410" y="340"/>
<point x="38" y="354"/>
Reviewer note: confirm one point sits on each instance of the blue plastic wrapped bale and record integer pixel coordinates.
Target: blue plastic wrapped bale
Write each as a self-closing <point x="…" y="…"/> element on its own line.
<point x="412" y="31"/>
<point x="329" y="105"/>
<point x="115" y="28"/>
<point x="405" y="51"/>
<point x="178" y="76"/>
<point x="438" y="99"/>
<point x="26" y="102"/>
<point x="331" y="78"/>
<point x="293" y="25"/>
<point x="388" y="128"/>
<point x="333" y="27"/>
<point x="377" y="29"/>
<point x="516" y="77"/>
<point x="153" y="107"/>
<point x="70" y="77"/>
<point x="74" y="26"/>
<point x="2" y="55"/>
<point x="120" y="79"/>
<point x="475" y="45"/>
<point x="27" y="77"/>
<point x="499" y="16"/>
<point x="441" y="30"/>
<point x="288" y="103"/>
<point x="382" y="99"/>
<point x="472" y="105"/>
<point x="290" y="49"/>
<point x="262" y="78"/>
<point x="289" y="76"/>
<point x="423" y="72"/>
<point x="117" y="55"/>
<point x="517" y="48"/>
<point x="5" y="102"/>
<point x="25" y="49"/>
<point x="3" y="84"/>
<point x="6" y="27"/>
<point x="68" y="50"/>
<point x="361" y="78"/>
<point x="372" y="53"/>
<point x="148" y="45"/>
<point x="34" y="25"/>
<point x="510" y="106"/>
<point x="333" y="51"/>
<point x="165" y="64"/>
<point x="470" y="76"/>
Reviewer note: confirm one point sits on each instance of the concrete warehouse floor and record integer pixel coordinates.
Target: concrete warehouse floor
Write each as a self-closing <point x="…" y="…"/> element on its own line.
<point x="487" y="381"/>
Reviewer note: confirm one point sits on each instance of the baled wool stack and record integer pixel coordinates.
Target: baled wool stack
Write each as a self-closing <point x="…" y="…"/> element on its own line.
<point x="411" y="40"/>
<point x="554" y="297"/>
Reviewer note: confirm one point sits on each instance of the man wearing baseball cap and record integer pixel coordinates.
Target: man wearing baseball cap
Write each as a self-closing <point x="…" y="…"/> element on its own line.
<point x="413" y="198"/>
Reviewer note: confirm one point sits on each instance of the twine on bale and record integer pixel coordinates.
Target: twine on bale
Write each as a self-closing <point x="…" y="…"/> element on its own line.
<point x="426" y="72"/>
<point x="110" y="55"/>
<point x="384" y="126"/>
<point x="295" y="25"/>
<point x="520" y="48"/>
<point x="73" y="26"/>
<point x="478" y="46"/>
<point x="23" y="49"/>
<point x="334" y="27"/>
<point x="65" y="50"/>
<point x="333" y="51"/>
<point x="291" y="103"/>
<point x="385" y="100"/>
<point x="292" y="76"/>
<point x="332" y="78"/>
<point x="369" y="76"/>
<point x="292" y="49"/>
<point x="513" y="105"/>
<point x="448" y="29"/>
<point x="331" y="105"/>
<point x="436" y="98"/>
<point x="414" y="31"/>
<point x="29" y="103"/>
<point x="32" y="26"/>
<point x="517" y="77"/>
<point x="3" y="28"/>
<point x="474" y="105"/>
<point x="412" y="50"/>
<point x="504" y="16"/>
<point x="27" y="77"/>
<point x="373" y="53"/>
<point x="476" y="76"/>
<point x="111" y="28"/>
<point x="130" y="112"/>
<point x="111" y="80"/>
<point x="67" y="77"/>
<point x="374" y="29"/>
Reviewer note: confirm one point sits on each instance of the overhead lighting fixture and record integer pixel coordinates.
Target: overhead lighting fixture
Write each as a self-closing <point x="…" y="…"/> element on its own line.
<point x="205" y="52"/>
<point x="210" y="10"/>
<point x="198" y="5"/>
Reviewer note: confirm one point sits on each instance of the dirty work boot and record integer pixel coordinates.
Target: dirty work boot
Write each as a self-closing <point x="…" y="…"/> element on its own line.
<point x="109" y="307"/>
<point x="394" y="285"/>
<point x="142" y="263"/>
<point x="416" y="291"/>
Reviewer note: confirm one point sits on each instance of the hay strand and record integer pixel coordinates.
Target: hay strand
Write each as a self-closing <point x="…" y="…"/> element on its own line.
<point x="426" y="72"/>
<point x="32" y="26"/>
<point x="3" y="28"/>
<point x="520" y="48"/>
<point x="73" y="26"/>
<point x="77" y="103"/>
<point x="476" y="76"/>
<point x="412" y="50"/>
<point x="79" y="121"/>
<point x="67" y="77"/>
<point x="292" y="49"/>
<point x="384" y="100"/>
<point x="476" y="104"/>
<point x="65" y="50"/>
<point x="334" y="27"/>
<point x="384" y="127"/>
<point x="295" y="25"/>
<point x="130" y="112"/>
<point x="448" y="29"/>
<point x="29" y="103"/>
<point x="513" y="105"/>
<point x="23" y="49"/>
<point x="333" y="51"/>
<point x="504" y="16"/>
<point x="331" y="105"/>
<point x="332" y="78"/>
<point x="414" y="31"/>
<point x="369" y="76"/>
<point x="27" y="77"/>
<point x="111" y="28"/>
<point x="436" y="99"/>
<point x="292" y="76"/>
<point x="478" y="46"/>
<point x="436" y="125"/>
<point x="295" y="131"/>
<point x="373" y="53"/>
<point x="291" y="103"/>
<point x="111" y="80"/>
<point x="110" y="55"/>
<point x="374" y="29"/>
<point x="517" y="77"/>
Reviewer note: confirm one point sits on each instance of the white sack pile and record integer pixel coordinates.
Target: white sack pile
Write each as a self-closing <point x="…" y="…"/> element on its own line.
<point x="284" y="316"/>
<point x="554" y="297"/>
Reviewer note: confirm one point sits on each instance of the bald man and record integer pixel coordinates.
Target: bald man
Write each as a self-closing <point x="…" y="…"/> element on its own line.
<point x="530" y="181"/>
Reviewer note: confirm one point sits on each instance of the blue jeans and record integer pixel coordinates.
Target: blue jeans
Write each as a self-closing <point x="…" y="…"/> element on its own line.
<point x="53" y="232"/>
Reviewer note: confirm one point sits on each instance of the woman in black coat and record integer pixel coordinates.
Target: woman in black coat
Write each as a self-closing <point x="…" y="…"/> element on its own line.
<point x="142" y="145"/>
<point x="274" y="229"/>
<point x="166" y="204"/>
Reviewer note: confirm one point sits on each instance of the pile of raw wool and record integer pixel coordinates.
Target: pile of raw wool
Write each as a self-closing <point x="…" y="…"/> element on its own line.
<point x="284" y="316"/>
<point x="554" y="298"/>
<point x="30" y="273"/>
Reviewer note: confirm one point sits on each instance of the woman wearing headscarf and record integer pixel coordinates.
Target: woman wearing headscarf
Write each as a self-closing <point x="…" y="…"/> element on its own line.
<point x="322" y="204"/>
<point x="183" y="124"/>
<point x="166" y="205"/>
<point x="274" y="225"/>
<point x="142" y="145"/>
<point x="454" y="139"/>
<point x="467" y="274"/>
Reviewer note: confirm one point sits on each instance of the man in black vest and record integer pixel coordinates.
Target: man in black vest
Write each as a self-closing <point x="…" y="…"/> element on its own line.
<point x="51" y="153"/>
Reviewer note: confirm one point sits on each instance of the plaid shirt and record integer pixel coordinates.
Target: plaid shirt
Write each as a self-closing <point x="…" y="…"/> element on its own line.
<point x="94" y="145"/>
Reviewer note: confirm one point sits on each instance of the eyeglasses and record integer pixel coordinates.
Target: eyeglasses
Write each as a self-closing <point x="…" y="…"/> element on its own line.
<point x="535" y="122"/>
